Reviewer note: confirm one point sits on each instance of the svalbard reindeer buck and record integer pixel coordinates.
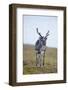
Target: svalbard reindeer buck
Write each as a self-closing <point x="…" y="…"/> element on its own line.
<point x="40" y="47"/>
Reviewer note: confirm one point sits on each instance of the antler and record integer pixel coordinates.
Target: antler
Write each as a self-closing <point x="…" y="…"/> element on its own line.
<point x="47" y="34"/>
<point x="38" y="32"/>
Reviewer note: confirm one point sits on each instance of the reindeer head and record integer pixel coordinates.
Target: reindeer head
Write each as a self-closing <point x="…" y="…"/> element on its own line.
<point x="42" y="39"/>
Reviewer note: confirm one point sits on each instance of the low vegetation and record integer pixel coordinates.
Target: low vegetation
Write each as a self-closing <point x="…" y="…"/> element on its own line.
<point x="29" y="61"/>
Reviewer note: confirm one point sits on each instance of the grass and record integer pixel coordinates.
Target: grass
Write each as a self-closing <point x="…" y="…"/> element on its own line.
<point x="29" y="61"/>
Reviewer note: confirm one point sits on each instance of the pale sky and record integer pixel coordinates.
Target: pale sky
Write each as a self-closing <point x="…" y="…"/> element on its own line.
<point x="44" y="23"/>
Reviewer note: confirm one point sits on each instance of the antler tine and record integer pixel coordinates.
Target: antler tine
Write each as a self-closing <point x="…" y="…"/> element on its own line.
<point x="38" y="32"/>
<point x="47" y="33"/>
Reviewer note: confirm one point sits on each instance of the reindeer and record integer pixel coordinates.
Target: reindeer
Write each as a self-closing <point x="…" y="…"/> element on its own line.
<point x="40" y="48"/>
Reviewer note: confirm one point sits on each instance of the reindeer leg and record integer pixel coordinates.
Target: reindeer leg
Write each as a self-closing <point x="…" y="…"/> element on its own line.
<point x="36" y="59"/>
<point x="44" y="59"/>
<point x="40" y="59"/>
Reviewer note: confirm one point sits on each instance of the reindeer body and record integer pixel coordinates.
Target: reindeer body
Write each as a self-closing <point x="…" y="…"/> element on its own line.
<point x="40" y="48"/>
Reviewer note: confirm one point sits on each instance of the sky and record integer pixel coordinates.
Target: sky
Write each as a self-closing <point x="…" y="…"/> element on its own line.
<point x="43" y="23"/>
